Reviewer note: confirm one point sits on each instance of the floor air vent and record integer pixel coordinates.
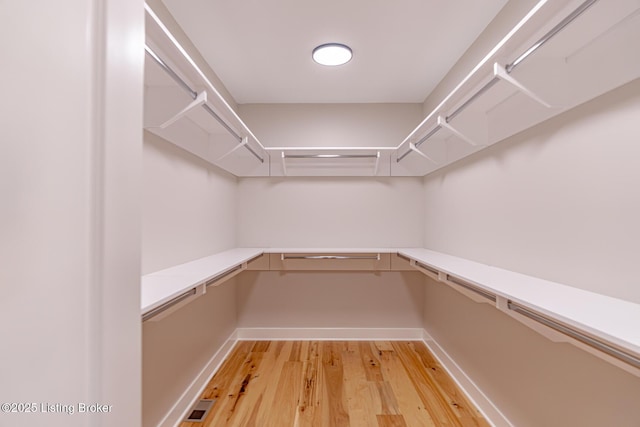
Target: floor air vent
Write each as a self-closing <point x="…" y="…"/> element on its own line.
<point x="200" y="410"/>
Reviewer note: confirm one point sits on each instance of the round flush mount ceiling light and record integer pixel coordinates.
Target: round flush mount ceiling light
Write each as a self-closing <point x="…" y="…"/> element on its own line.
<point x="332" y="54"/>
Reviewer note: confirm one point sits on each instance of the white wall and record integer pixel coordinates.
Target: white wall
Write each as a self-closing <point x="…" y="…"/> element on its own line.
<point x="558" y="201"/>
<point x="188" y="212"/>
<point x="321" y="125"/>
<point x="330" y="212"/>
<point x="188" y="206"/>
<point x="70" y="109"/>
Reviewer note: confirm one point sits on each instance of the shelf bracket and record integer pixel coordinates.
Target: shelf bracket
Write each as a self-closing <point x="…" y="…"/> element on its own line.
<point x="412" y="147"/>
<point x="201" y="98"/>
<point x="375" y="168"/>
<point x="442" y="122"/>
<point x="284" y="163"/>
<point x="500" y="72"/>
<point x="242" y="143"/>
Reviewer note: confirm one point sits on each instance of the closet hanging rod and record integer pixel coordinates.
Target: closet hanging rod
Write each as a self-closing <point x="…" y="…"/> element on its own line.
<point x="330" y="156"/>
<point x="472" y="288"/>
<point x="371" y="257"/>
<point x="176" y="78"/>
<point x="220" y="276"/>
<point x="509" y="68"/>
<point x="537" y="45"/>
<point x="549" y="35"/>
<point x="577" y="335"/>
<point x="167" y="305"/>
<point x="428" y="268"/>
<point x="188" y="89"/>
<point x="193" y="94"/>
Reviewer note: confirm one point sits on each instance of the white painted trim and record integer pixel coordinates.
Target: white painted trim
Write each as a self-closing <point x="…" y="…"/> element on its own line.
<point x="178" y="411"/>
<point x="495" y="417"/>
<point x="355" y="334"/>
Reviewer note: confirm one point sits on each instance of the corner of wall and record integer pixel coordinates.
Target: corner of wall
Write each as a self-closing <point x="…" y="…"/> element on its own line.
<point x="167" y="18"/>
<point x="506" y="19"/>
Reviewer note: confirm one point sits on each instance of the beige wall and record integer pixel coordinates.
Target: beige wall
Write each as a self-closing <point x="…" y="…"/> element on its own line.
<point x="330" y="212"/>
<point x="557" y="201"/>
<point x="178" y="347"/>
<point x="533" y="381"/>
<point x="330" y="300"/>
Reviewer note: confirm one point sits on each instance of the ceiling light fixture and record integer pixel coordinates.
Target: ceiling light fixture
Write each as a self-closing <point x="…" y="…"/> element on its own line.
<point x="332" y="54"/>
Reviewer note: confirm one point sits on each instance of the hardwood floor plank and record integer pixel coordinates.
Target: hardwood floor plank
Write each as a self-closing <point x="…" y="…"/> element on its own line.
<point x="370" y="358"/>
<point x="383" y="345"/>
<point x="464" y="409"/>
<point x="310" y="389"/>
<point x="270" y="380"/>
<point x="227" y="372"/>
<point x="286" y="396"/>
<point x="335" y="384"/>
<point x="253" y="392"/>
<point x="296" y="348"/>
<point x="260" y="346"/>
<point x="334" y="391"/>
<point x="411" y="406"/>
<point x="391" y="421"/>
<point x="439" y="407"/>
<point x="229" y="406"/>
<point x="354" y="369"/>
<point x="388" y="402"/>
<point x="363" y="401"/>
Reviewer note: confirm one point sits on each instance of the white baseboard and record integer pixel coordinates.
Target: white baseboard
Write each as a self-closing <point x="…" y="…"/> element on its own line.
<point x="352" y="334"/>
<point x="178" y="412"/>
<point x="477" y="397"/>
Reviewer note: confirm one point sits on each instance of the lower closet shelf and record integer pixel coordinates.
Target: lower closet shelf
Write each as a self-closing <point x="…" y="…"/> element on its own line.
<point x="602" y="325"/>
<point x="166" y="290"/>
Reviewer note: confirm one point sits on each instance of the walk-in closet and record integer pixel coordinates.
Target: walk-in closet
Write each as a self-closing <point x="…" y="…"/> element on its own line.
<point x="203" y="224"/>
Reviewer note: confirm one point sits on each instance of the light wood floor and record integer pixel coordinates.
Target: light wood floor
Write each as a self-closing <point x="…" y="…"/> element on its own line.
<point x="331" y="383"/>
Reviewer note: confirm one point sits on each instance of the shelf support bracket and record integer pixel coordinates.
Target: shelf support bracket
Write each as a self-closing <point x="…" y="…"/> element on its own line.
<point x="284" y="163"/>
<point x="412" y="147"/>
<point x="375" y="168"/>
<point x="242" y="143"/>
<point x="442" y="122"/>
<point x="201" y="98"/>
<point x="500" y="72"/>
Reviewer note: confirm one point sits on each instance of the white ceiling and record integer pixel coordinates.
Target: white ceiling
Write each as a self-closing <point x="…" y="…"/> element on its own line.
<point x="261" y="49"/>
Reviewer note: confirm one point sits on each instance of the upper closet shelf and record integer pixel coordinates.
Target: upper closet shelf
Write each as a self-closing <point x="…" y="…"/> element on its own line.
<point x="604" y="326"/>
<point x="330" y="161"/>
<point x="561" y="54"/>
<point x="182" y="106"/>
